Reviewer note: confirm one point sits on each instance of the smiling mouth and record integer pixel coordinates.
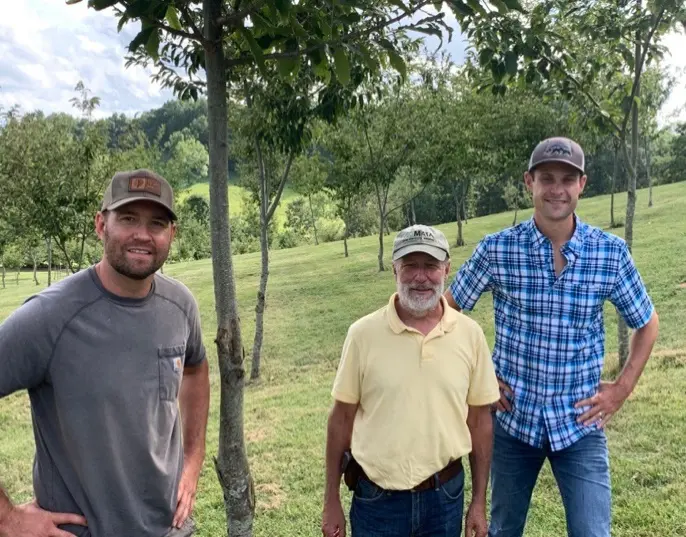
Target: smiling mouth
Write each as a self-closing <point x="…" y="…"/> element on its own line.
<point x="139" y="251"/>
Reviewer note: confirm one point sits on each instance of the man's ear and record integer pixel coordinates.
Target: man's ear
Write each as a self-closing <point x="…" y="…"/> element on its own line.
<point x="582" y="183"/>
<point x="528" y="180"/>
<point x="100" y="218"/>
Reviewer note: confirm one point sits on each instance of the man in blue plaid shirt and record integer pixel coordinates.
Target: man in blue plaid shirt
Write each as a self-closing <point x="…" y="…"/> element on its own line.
<point x="550" y="277"/>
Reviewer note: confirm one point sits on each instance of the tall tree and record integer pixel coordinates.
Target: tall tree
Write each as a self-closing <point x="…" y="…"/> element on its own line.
<point x="319" y="33"/>
<point x="571" y="47"/>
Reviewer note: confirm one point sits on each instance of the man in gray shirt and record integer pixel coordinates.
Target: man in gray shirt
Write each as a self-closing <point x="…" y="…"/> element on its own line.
<point x="113" y="360"/>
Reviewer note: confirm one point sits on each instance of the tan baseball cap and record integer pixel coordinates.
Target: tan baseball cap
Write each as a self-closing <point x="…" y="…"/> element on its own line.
<point x="138" y="185"/>
<point x="420" y="238"/>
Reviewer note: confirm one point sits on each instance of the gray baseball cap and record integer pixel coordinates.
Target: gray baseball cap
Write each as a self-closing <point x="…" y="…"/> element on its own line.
<point x="138" y="185"/>
<point x="420" y="238"/>
<point x="558" y="149"/>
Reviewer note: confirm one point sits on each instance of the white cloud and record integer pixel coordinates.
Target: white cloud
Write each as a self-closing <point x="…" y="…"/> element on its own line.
<point x="46" y="47"/>
<point x="674" y="109"/>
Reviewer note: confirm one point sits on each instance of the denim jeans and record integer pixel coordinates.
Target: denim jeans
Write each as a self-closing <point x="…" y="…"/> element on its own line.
<point x="582" y="472"/>
<point x="430" y="513"/>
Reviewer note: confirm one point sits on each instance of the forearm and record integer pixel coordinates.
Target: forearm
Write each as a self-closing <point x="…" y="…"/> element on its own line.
<point x="194" y="403"/>
<point x="480" y="425"/>
<point x="641" y="346"/>
<point x="5" y="505"/>
<point x="338" y="438"/>
<point x="451" y="301"/>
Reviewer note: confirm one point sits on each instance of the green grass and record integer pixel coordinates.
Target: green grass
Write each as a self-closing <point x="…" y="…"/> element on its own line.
<point x="237" y="199"/>
<point x="315" y="293"/>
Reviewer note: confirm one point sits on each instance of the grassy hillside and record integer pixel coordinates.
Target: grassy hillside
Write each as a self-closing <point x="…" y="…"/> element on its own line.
<point x="237" y="196"/>
<point x="315" y="293"/>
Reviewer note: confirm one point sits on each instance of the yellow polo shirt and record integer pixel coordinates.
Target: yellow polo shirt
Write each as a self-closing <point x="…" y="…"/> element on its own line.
<point x="414" y="392"/>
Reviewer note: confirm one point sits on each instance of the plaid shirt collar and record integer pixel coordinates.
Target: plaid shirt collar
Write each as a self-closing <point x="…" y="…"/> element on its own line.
<point x="571" y="249"/>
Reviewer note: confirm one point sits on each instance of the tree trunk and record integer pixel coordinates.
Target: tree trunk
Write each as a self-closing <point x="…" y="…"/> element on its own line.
<point x="49" y="248"/>
<point x="264" y="275"/>
<point x="463" y="207"/>
<point x="458" y="215"/>
<point x="18" y="273"/>
<point x="382" y="224"/>
<point x="413" y="214"/>
<point x="314" y="221"/>
<point x="646" y="143"/>
<point x="345" y="235"/>
<point x="3" y="275"/>
<point x="622" y="330"/>
<point x="514" y="220"/>
<point x="34" y="260"/>
<point x="231" y="462"/>
<point x="615" y="170"/>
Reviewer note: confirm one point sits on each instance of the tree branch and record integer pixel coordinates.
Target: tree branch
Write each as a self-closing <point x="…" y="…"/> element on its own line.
<point x="248" y="58"/>
<point x="237" y="17"/>
<point x="188" y="18"/>
<point x="277" y="197"/>
<point x="639" y="70"/>
<point x="583" y="91"/>
<point x="178" y="33"/>
<point x="408" y="200"/>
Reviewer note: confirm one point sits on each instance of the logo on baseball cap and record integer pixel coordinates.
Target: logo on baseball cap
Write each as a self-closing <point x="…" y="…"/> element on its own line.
<point x="138" y="185"/>
<point x="420" y="238"/>
<point x="558" y="150"/>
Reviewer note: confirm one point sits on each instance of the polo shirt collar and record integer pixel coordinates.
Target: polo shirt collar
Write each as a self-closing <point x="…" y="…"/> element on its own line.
<point x="446" y="324"/>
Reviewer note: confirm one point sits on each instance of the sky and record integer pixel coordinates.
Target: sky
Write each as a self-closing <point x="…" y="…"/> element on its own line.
<point x="46" y="47"/>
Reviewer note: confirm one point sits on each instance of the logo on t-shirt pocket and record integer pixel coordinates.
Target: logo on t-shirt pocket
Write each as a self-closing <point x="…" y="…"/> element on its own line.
<point x="171" y="370"/>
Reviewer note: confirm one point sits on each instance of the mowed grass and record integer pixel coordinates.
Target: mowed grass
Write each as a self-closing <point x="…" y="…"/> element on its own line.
<point x="315" y="293"/>
<point x="237" y="197"/>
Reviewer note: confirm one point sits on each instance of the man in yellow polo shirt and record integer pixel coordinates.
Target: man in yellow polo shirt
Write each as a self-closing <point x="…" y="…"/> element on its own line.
<point x="412" y="397"/>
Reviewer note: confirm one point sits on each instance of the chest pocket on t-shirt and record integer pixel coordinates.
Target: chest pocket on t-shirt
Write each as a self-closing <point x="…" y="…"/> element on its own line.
<point x="170" y="361"/>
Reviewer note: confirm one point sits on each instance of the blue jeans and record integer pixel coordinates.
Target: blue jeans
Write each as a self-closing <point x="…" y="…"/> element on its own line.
<point x="430" y="513"/>
<point x="582" y="472"/>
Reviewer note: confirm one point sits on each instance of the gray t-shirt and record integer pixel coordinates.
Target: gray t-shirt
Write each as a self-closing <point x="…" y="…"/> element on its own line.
<point x="103" y="374"/>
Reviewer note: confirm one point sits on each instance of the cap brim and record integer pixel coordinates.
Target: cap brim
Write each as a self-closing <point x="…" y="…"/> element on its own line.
<point x="559" y="160"/>
<point x="121" y="203"/>
<point x="433" y="251"/>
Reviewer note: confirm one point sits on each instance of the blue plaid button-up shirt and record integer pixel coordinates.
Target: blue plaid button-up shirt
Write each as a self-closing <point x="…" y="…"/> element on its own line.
<point x="550" y="336"/>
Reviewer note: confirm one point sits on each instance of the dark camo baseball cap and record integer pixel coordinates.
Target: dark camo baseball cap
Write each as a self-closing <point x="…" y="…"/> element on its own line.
<point x="138" y="185"/>
<point x="420" y="238"/>
<point x="558" y="149"/>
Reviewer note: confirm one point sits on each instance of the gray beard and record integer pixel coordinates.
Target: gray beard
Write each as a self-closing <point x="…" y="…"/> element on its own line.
<point x="419" y="307"/>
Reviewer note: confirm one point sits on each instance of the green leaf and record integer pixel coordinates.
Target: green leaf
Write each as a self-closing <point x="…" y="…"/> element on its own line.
<point x="321" y="69"/>
<point x="511" y="62"/>
<point x="72" y="2"/>
<point x="399" y="4"/>
<point x="500" y="6"/>
<point x="286" y="66"/>
<point x="141" y="38"/>
<point x="342" y="65"/>
<point x="298" y="29"/>
<point x="122" y="21"/>
<point x="283" y="6"/>
<point x="153" y="44"/>
<point x="476" y="6"/>
<point x="325" y="28"/>
<point x="255" y="48"/>
<point x="398" y="63"/>
<point x="514" y="4"/>
<point x="173" y="18"/>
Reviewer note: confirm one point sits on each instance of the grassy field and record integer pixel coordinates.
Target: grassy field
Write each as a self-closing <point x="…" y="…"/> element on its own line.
<point x="315" y="293"/>
<point x="237" y="199"/>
